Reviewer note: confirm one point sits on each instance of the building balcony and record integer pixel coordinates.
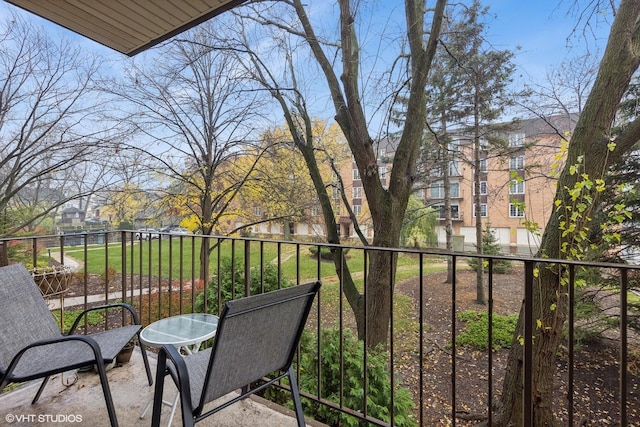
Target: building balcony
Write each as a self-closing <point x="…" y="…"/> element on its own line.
<point x="435" y="372"/>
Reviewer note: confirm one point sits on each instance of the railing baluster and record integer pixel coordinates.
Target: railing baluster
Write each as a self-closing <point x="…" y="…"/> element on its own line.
<point x="624" y="288"/>
<point x="490" y="339"/>
<point x="421" y="338"/>
<point x="453" y="339"/>
<point x="571" y="338"/>
<point x="391" y="335"/>
<point x="528" y="345"/>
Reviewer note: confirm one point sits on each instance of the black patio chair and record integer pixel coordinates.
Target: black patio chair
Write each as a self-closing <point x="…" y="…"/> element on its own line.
<point x="257" y="336"/>
<point x="33" y="346"/>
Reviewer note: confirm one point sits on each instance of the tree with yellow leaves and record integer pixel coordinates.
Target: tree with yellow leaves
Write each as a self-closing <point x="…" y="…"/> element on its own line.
<point x="280" y="189"/>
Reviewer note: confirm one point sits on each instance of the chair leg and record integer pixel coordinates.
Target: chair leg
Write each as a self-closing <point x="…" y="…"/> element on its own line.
<point x="145" y="359"/>
<point x="296" y="397"/>
<point x="159" y="389"/>
<point x="37" y="396"/>
<point x="187" y="411"/>
<point x="107" y="394"/>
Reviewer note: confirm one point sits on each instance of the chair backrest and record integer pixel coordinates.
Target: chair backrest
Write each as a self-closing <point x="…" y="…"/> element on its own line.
<point x="24" y="315"/>
<point x="256" y="336"/>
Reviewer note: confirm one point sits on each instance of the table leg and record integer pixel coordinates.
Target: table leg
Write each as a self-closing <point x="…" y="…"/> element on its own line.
<point x="173" y="409"/>
<point x="173" y="405"/>
<point x="194" y="348"/>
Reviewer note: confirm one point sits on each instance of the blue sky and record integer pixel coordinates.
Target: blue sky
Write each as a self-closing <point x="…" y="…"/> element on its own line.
<point x="541" y="28"/>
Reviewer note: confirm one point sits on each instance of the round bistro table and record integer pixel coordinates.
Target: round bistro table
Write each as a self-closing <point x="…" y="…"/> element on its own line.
<point x="183" y="331"/>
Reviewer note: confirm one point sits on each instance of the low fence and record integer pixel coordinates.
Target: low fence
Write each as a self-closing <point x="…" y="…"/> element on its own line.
<point x="436" y="370"/>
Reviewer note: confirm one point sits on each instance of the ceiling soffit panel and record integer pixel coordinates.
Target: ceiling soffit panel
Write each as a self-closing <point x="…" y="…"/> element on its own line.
<point x="127" y="26"/>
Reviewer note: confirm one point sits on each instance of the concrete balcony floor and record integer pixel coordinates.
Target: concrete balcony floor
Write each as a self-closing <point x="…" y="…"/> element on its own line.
<point x="131" y="393"/>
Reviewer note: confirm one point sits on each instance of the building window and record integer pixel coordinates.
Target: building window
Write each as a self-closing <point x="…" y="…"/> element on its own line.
<point x="454" y="168"/>
<point x="454" y="189"/>
<point x="315" y="211"/>
<point x="516" y="186"/>
<point x="256" y="211"/>
<point x="436" y="171"/>
<point x="357" y="192"/>
<point x="356" y="174"/>
<point x="516" y="139"/>
<point x="455" y="211"/>
<point x="516" y="162"/>
<point x="437" y="190"/>
<point x="484" y="188"/>
<point x="484" y="165"/>
<point x="515" y="211"/>
<point x="382" y="172"/>
<point x="483" y="210"/>
<point x="357" y="209"/>
<point x="336" y="193"/>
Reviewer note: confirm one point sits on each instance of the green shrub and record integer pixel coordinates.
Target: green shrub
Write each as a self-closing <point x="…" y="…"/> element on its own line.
<point x="378" y="386"/>
<point x="490" y="246"/>
<point x="22" y="253"/>
<point x="476" y="335"/>
<point x="269" y="278"/>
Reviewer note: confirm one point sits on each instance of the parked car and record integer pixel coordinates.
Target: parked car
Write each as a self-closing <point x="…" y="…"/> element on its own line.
<point x="179" y="230"/>
<point x="172" y="229"/>
<point x="147" y="234"/>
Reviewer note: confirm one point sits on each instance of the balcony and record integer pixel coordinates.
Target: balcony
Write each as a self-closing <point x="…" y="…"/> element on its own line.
<point x="82" y="403"/>
<point x="448" y="381"/>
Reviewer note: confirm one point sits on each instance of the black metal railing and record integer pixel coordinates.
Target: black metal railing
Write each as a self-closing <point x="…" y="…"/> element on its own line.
<point x="169" y="275"/>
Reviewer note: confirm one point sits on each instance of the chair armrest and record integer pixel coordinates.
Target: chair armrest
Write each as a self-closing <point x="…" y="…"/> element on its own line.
<point x="180" y="377"/>
<point x="126" y="306"/>
<point x="83" y="338"/>
<point x="179" y="374"/>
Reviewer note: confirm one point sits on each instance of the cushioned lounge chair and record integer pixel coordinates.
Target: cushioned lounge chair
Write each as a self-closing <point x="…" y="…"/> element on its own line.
<point x="33" y="346"/>
<point x="256" y="337"/>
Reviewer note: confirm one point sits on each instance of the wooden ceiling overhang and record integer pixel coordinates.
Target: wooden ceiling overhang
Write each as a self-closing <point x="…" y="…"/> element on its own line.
<point x="127" y="26"/>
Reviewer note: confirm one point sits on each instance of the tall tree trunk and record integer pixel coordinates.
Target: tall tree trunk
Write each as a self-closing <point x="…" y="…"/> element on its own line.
<point x="207" y="228"/>
<point x="546" y="343"/>
<point x="387" y="205"/>
<point x="590" y="147"/>
<point x="480" y="298"/>
<point x="448" y="228"/>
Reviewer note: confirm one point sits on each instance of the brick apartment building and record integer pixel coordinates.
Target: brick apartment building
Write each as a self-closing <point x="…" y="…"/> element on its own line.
<point x="517" y="187"/>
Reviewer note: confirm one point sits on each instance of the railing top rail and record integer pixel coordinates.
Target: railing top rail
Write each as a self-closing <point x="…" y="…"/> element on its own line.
<point x="428" y="252"/>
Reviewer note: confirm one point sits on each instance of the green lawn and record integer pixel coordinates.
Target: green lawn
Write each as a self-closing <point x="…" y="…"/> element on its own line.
<point x="178" y="258"/>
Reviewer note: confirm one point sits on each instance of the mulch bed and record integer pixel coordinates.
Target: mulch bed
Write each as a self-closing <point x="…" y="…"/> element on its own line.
<point x="596" y="388"/>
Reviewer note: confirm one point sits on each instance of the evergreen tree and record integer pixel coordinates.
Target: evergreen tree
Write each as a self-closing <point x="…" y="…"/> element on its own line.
<point x="470" y="92"/>
<point x="490" y="246"/>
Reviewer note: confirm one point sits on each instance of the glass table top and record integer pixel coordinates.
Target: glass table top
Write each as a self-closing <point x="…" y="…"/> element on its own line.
<point x="181" y="330"/>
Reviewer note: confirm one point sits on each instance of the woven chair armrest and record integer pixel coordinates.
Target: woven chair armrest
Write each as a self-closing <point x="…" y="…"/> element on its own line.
<point x="179" y="374"/>
<point x="128" y="307"/>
